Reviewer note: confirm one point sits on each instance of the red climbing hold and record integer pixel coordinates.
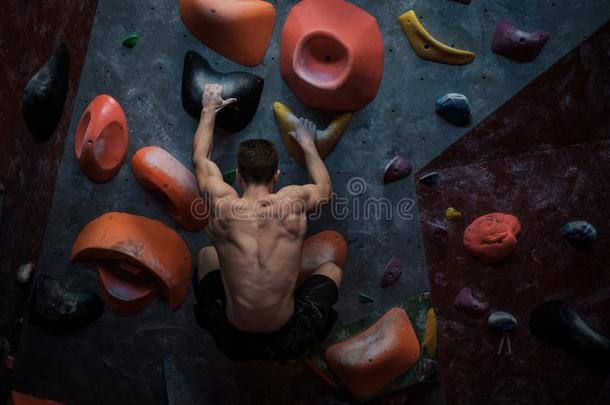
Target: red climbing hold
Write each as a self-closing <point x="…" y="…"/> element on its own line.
<point x="102" y="139"/>
<point x="369" y="361"/>
<point x="157" y="170"/>
<point x="18" y="398"/>
<point x="492" y="237"/>
<point x="324" y="247"/>
<point x="516" y="44"/>
<point x="328" y="63"/>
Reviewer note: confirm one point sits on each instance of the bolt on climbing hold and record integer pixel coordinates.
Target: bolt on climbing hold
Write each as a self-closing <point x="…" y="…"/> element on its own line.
<point x="506" y="323"/>
<point x="451" y="213"/>
<point x="131" y="40"/>
<point x="365" y="299"/>
<point x="24" y="272"/>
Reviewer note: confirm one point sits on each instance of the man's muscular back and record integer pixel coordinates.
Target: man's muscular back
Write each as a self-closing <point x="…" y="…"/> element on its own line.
<point x="259" y="246"/>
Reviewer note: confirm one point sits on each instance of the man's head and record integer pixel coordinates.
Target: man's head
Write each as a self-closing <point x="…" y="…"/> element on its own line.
<point x="257" y="162"/>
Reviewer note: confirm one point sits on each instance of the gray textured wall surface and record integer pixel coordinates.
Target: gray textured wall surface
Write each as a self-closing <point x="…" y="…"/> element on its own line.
<point x="119" y="359"/>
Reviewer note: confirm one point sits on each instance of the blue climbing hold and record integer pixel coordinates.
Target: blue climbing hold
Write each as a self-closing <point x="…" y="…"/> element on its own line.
<point x="579" y="231"/>
<point x="502" y="321"/>
<point x="454" y="108"/>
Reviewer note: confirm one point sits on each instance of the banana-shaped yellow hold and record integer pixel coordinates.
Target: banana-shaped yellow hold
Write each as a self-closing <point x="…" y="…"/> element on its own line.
<point x="430" y="333"/>
<point x="325" y="140"/>
<point x="429" y="48"/>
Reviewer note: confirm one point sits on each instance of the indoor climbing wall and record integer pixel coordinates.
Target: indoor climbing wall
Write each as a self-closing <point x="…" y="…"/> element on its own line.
<point x="128" y="359"/>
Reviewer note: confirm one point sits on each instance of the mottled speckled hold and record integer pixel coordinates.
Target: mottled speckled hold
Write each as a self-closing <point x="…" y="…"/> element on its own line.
<point x="393" y="271"/>
<point x="502" y="321"/>
<point x="579" y="231"/>
<point x="454" y="108"/>
<point x="465" y="300"/>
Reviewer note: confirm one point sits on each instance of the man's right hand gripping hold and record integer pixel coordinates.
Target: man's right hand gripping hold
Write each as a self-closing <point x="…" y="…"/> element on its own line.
<point x="255" y="295"/>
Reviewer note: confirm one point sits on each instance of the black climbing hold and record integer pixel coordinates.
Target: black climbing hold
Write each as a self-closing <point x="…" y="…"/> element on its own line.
<point x="557" y="323"/>
<point x="245" y="87"/>
<point x="53" y="304"/>
<point x="45" y="94"/>
<point x="437" y="233"/>
<point x="230" y="176"/>
<point x="463" y="1"/>
<point x="579" y="231"/>
<point x="131" y="40"/>
<point x="396" y="169"/>
<point x="454" y="108"/>
<point x="393" y="271"/>
<point x="431" y="371"/>
<point x="429" y="179"/>
<point x="365" y="299"/>
<point x="502" y="321"/>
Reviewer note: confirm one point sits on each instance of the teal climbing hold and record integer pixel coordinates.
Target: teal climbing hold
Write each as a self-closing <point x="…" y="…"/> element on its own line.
<point x="131" y="40"/>
<point x="365" y="299"/>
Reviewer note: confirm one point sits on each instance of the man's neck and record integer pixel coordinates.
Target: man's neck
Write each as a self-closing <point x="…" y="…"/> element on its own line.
<point x="254" y="192"/>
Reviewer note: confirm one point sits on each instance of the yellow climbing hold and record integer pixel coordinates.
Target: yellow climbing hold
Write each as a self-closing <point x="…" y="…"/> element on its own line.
<point x="452" y="213"/>
<point x="429" y="48"/>
<point x="430" y="334"/>
<point x="325" y="140"/>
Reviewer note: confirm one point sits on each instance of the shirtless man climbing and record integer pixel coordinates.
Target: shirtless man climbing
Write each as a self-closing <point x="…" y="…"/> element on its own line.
<point x="253" y="296"/>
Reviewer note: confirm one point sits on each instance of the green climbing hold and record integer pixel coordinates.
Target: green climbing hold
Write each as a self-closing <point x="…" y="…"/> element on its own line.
<point x="365" y="299"/>
<point x="131" y="40"/>
<point x="230" y="176"/>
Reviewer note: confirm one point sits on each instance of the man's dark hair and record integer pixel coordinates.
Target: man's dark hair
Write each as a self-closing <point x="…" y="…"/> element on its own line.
<point x="257" y="161"/>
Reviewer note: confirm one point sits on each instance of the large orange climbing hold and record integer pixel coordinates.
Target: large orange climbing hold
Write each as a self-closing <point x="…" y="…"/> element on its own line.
<point x="324" y="247"/>
<point x="331" y="55"/>
<point x="239" y="30"/>
<point x="18" y="398"/>
<point x="157" y="170"/>
<point x="125" y="293"/>
<point x="140" y="242"/>
<point x="492" y="237"/>
<point x="369" y="361"/>
<point x="102" y="139"/>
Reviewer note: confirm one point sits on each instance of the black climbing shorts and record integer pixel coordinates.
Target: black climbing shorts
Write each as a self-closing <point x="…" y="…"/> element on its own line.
<point x="312" y="321"/>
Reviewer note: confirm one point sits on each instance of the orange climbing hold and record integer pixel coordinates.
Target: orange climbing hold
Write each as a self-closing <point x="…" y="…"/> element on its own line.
<point x="369" y="361"/>
<point x="239" y="30"/>
<point x="331" y="55"/>
<point x="102" y="139"/>
<point x="17" y="398"/>
<point x="324" y="247"/>
<point x="492" y="237"/>
<point x="126" y="294"/>
<point x="139" y="242"/>
<point x="157" y="170"/>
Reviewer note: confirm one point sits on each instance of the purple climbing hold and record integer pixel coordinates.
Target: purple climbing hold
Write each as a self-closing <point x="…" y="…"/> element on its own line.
<point x="393" y="271"/>
<point x="466" y="301"/>
<point x="397" y="169"/>
<point x="516" y="44"/>
<point x="437" y="233"/>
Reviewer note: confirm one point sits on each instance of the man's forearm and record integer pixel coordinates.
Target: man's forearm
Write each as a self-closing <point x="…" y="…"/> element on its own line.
<point x="204" y="136"/>
<point x="317" y="171"/>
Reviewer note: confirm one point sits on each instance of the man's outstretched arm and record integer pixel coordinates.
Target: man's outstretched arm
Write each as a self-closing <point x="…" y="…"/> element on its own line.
<point x="320" y="189"/>
<point x="209" y="177"/>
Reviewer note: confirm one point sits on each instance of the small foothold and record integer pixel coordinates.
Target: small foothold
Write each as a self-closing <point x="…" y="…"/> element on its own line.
<point x="396" y="169"/>
<point x="365" y="299"/>
<point x="53" y="304"/>
<point x="431" y="371"/>
<point x="429" y="179"/>
<point x="44" y="97"/>
<point x="515" y="44"/>
<point x="437" y="233"/>
<point x="466" y="301"/>
<point x="9" y="362"/>
<point x="393" y="271"/>
<point x="24" y="273"/>
<point x="430" y="333"/>
<point x="451" y="213"/>
<point x="463" y="1"/>
<point x="230" y="176"/>
<point x="579" y="231"/>
<point x="131" y="40"/>
<point x="502" y="321"/>
<point x="454" y="108"/>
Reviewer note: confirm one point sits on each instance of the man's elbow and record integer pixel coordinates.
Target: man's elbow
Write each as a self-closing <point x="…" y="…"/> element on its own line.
<point x="326" y="191"/>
